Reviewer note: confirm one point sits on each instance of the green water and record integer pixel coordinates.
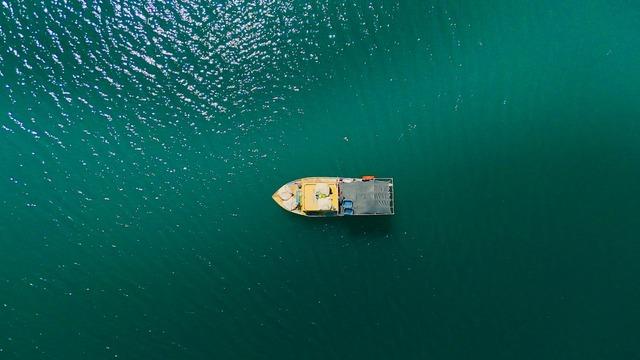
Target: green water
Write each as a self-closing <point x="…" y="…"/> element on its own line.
<point x="140" y="143"/>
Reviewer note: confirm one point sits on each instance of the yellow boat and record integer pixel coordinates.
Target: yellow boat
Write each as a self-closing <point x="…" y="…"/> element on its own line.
<point x="337" y="196"/>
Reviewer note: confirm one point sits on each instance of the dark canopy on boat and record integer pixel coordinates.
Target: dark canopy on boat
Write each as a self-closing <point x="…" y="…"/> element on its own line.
<point x="374" y="197"/>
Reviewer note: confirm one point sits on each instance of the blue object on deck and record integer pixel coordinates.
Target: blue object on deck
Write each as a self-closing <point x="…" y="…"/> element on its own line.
<point x="347" y="204"/>
<point x="348" y="211"/>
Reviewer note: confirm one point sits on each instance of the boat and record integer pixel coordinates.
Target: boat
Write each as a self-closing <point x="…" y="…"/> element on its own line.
<point x="337" y="196"/>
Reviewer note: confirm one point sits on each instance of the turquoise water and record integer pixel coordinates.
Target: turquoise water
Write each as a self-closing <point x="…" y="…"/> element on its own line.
<point x="141" y="143"/>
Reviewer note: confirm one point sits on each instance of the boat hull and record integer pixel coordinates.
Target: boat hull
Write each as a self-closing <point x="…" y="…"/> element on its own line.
<point x="325" y="196"/>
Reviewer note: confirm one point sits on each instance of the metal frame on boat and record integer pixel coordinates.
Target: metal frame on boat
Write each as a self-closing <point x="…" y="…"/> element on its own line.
<point x="337" y="196"/>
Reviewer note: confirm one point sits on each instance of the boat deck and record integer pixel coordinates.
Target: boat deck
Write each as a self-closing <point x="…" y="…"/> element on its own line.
<point x="373" y="197"/>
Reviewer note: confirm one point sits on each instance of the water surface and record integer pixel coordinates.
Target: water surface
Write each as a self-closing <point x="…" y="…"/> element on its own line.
<point x="141" y="142"/>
